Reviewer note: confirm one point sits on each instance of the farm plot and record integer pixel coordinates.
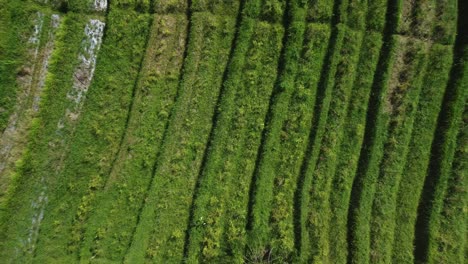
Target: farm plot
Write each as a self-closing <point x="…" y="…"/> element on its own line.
<point x="271" y="216"/>
<point x="86" y="166"/>
<point x="122" y="193"/>
<point x="417" y="159"/>
<point x="28" y="194"/>
<point x="31" y="84"/>
<point x="221" y="203"/>
<point x="253" y="131"/>
<point x="163" y="220"/>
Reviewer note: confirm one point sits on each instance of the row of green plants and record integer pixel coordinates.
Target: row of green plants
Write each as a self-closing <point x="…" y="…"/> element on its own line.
<point x="35" y="163"/>
<point x="222" y="198"/>
<point x="17" y="21"/>
<point x="398" y="150"/>
<point x="122" y="193"/>
<point x="161" y="230"/>
<point x="395" y="119"/>
<point x="271" y="224"/>
<point x="401" y="103"/>
<point x="330" y="131"/>
<point x="428" y="20"/>
<point x="217" y="230"/>
<point x="85" y="166"/>
<point x="394" y="138"/>
<point x="20" y="77"/>
<point x="449" y="243"/>
<point x="283" y="246"/>
<point x="403" y="216"/>
<point x="327" y="150"/>
<point x="350" y="146"/>
<point x="433" y="242"/>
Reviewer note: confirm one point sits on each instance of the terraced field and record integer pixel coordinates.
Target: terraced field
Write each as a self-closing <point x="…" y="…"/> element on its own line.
<point x="233" y="131"/>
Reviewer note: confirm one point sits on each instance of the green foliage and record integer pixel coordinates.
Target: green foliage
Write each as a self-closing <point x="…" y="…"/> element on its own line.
<point x="272" y="216"/>
<point x="397" y="107"/>
<point x="17" y="22"/>
<point x="449" y="243"/>
<point x="340" y="89"/>
<point x="222" y="197"/>
<point x="163" y="221"/>
<point x="452" y="118"/>
<point x="286" y="132"/>
<point x="417" y="160"/>
<point x="402" y="102"/>
<point x="39" y="155"/>
<point x="352" y="140"/>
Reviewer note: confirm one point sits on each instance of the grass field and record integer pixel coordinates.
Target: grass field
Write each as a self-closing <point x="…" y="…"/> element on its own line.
<point x="243" y="131"/>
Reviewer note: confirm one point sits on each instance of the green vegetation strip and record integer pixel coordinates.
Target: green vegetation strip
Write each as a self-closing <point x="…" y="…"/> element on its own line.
<point x="271" y="224"/>
<point x="322" y="105"/>
<point x="123" y="193"/>
<point x="401" y="103"/>
<point x="220" y="208"/>
<point x="319" y="207"/>
<point x="353" y="136"/>
<point x="414" y="172"/>
<point x="27" y="196"/>
<point x="163" y="221"/>
<point x="450" y="240"/>
<point x="436" y="185"/>
<point x="86" y="165"/>
<point x="17" y="20"/>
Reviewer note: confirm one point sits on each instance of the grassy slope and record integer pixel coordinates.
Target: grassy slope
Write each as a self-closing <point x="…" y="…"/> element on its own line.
<point x="17" y="22"/>
<point x="164" y="217"/>
<point x="34" y="164"/>
<point x="450" y="240"/>
<point x="419" y="152"/>
<point x="288" y="124"/>
<point x="122" y="194"/>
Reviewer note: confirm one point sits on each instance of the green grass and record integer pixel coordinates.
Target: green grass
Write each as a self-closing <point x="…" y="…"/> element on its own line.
<point x="127" y="174"/>
<point x="323" y="98"/>
<point x="417" y="160"/>
<point x="17" y="20"/>
<point x="161" y="229"/>
<point x="352" y="140"/>
<point x="319" y="207"/>
<point x="77" y="184"/>
<point x="27" y="184"/>
<point x="253" y="131"/>
<point x="450" y="241"/>
<point x="403" y="101"/>
<point x="220" y="211"/>
<point x="436" y="185"/>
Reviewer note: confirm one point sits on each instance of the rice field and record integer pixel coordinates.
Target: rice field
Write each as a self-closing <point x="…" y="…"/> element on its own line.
<point x="241" y="131"/>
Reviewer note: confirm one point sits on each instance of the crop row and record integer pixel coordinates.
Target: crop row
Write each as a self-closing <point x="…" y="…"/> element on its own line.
<point x="430" y="237"/>
<point x="434" y="20"/>
<point x="160" y="233"/>
<point x="449" y="243"/>
<point x="30" y="83"/>
<point x="417" y="159"/>
<point x="33" y="169"/>
<point x="271" y="223"/>
<point x="125" y="182"/>
<point x="18" y="23"/>
<point x="351" y="143"/>
<point x="401" y="104"/>
<point x="221" y="202"/>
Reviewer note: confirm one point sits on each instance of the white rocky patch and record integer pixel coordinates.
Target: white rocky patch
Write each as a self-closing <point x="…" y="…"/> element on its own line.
<point x="49" y="47"/>
<point x="84" y="73"/>
<point x="100" y="5"/>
